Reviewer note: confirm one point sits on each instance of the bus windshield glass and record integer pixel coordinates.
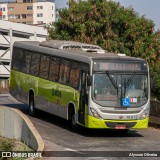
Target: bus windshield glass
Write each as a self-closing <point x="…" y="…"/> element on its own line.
<point x="109" y="89"/>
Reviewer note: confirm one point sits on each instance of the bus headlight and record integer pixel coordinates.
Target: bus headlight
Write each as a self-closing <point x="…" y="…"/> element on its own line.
<point x="144" y="115"/>
<point x="95" y="113"/>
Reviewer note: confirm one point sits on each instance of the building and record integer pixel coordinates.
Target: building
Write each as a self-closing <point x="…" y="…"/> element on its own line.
<point x="11" y="32"/>
<point x="28" y="11"/>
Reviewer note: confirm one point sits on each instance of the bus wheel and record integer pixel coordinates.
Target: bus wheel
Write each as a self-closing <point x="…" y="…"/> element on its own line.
<point x="75" y="126"/>
<point x="31" y="105"/>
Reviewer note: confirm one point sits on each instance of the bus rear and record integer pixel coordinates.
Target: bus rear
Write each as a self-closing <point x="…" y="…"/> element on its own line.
<point x="119" y="97"/>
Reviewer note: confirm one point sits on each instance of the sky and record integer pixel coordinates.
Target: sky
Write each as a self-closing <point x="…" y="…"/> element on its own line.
<point x="149" y="8"/>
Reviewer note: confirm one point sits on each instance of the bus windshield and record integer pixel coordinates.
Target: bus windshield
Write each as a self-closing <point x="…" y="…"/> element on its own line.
<point x="110" y="88"/>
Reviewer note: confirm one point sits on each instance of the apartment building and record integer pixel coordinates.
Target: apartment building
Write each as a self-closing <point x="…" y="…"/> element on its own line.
<point x="28" y="11"/>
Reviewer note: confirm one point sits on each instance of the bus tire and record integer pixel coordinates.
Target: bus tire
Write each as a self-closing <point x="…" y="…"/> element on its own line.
<point x="31" y="105"/>
<point x="75" y="126"/>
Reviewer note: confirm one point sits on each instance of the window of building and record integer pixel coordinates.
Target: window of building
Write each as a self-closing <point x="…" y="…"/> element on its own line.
<point x="23" y="15"/>
<point x="4" y="9"/>
<point x="10" y="8"/>
<point x="44" y="66"/>
<point x="4" y="16"/>
<point x="29" y="23"/>
<point x="54" y="69"/>
<point x="11" y="16"/>
<point x="29" y="7"/>
<point x="29" y="15"/>
<point x="74" y="75"/>
<point x="64" y="71"/>
<point x="22" y="35"/>
<point x="39" y="22"/>
<point x="17" y="16"/>
<point x="39" y="14"/>
<point x="34" y="65"/>
<point x="27" y="1"/>
<point x="39" y="7"/>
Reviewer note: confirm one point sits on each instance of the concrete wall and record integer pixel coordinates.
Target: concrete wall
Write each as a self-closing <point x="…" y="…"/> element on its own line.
<point x="14" y="124"/>
<point x="154" y="120"/>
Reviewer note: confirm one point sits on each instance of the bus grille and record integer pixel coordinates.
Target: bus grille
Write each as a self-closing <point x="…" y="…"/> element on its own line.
<point x="120" y="112"/>
<point x="114" y="124"/>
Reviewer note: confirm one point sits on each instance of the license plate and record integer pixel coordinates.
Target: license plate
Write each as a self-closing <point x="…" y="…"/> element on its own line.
<point x="120" y="127"/>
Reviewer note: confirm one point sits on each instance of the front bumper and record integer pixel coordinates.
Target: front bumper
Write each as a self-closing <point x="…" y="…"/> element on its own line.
<point x="92" y="122"/>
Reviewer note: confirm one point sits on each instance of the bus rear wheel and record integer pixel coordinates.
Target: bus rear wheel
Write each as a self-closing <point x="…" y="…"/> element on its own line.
<point x="31" y="105"/>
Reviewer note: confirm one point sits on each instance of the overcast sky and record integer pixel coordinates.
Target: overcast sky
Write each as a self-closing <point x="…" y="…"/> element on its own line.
<point x="149" y="8"/>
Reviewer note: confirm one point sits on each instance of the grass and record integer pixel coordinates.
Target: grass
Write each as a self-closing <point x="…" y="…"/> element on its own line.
<point x="12" y="145"/>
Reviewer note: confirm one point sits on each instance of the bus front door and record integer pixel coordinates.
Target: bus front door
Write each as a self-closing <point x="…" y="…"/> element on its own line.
<point x="83" y="98"/>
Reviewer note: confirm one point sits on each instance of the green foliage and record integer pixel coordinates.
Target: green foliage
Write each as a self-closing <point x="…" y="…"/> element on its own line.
<point x="7" y="145"/>
<point x="113" y="27"/>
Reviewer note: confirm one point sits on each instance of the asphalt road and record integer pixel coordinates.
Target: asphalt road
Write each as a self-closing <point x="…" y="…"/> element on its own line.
<point x="58" y="136"/>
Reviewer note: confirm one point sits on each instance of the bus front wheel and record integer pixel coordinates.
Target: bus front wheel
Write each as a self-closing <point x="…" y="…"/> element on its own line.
<point x="31" y="106"/>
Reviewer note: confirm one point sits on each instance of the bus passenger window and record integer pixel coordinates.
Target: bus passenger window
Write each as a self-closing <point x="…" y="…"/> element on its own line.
<point x="54" y="69"/>
<point x="74" y="75"/>
<point x="64" y="71"/>
<point x="16" y="59"/>
<point x="35" y="60"/>
<point x="44" y="65"/>
<point x="26" y="58"/>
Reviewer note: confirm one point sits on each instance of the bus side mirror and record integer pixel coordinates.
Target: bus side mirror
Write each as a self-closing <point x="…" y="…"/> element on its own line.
<point x="89" y="80"/>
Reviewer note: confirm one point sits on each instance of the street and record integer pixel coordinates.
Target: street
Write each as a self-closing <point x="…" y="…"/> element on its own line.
<point x="58" y="136"/>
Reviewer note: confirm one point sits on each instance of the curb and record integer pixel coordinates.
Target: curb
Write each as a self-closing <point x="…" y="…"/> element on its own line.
<point x="15" y="124"/>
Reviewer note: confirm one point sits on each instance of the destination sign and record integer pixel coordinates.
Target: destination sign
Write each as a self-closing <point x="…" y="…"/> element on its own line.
<point x="117" y="66"/>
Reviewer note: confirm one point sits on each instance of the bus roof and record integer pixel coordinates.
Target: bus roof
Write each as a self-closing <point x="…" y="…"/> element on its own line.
<point x="72" y="50"/>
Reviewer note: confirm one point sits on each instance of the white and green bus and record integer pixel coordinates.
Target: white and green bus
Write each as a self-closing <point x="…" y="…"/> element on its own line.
<point x="81" y="83"/>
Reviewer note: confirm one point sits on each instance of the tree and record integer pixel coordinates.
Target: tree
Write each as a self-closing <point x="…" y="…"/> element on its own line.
<point x="111" y="26"/>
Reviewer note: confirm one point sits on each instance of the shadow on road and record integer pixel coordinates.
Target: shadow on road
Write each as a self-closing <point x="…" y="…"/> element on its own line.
<point x="22" y="107"/>
<point x="64" y="124"/>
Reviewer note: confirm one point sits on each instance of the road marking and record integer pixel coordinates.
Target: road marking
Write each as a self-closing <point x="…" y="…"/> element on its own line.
<point x="96" y="158"/>
<point x="73" y="150"/>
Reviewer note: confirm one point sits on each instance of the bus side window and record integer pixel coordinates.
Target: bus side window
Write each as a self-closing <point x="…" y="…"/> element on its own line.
<point x="16" y="59"/>
<point x="44" y="65"/>
<point x="26" y="58"/>
<point x="74" y="75"/>
<point x="35" y="61"/>
<point x="64" y="71"/>
<point x="54" y="69"/>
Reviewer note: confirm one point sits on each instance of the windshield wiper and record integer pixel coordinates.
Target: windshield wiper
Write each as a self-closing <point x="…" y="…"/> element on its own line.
<point x="112" y="80"/>
<point x="126" y="84"/>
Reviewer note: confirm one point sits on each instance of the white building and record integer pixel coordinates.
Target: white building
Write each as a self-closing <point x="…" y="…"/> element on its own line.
<point x="4" y="10"/>
<point x="28" y="11"/>
<point x="11" y="32"/>
<point x="44" y="12"/>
